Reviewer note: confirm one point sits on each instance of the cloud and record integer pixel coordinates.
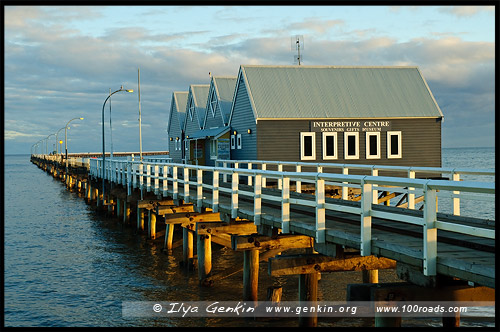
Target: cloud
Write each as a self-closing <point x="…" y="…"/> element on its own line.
<point x="467" y="11"/>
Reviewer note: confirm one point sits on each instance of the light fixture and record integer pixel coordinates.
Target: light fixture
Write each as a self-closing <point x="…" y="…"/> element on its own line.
<point x="177" y="138"/>
<point x="170" y="138"/>
<point x="249" y="131"/>
<point x="234" y="132"/>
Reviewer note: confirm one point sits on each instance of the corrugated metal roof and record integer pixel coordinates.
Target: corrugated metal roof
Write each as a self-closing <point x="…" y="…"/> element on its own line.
<point x="338" y="92"/>
<point x="200" y="96"/>
<point x="214" y="132"/>
<point x="179" y="99"/>
<point x="225" y="90"/>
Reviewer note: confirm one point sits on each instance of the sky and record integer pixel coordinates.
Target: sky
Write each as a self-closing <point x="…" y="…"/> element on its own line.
<point x="60" y="63"/>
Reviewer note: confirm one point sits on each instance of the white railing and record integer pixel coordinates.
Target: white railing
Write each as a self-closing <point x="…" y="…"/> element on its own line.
<point x="167" y="179"/>
<point x="409" y="171"/>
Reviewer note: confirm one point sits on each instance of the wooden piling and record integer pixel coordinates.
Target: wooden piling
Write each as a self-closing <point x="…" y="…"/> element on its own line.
<point x="152" y="224"/>
<point x="187" y="245"/>
<point x="204" y="253"/>
<point x="308" y="296"/>
<point x="250" y="275"/>
<point x="169" y="236"/>
<point x="370" y="276"/>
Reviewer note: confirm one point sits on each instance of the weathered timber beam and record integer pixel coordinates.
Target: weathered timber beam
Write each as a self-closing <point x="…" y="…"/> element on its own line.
<point x="189" y="217"/>
<point x="387" y="197"/>
<point x="283" y="242"/>
<point x="304" y="264"/>
<point x="222" y="239"/>
<point x="417" y="200"/>
<point x="162" y="210"/>
<point x="152" y="203"/>
<point x="246" y="228"/>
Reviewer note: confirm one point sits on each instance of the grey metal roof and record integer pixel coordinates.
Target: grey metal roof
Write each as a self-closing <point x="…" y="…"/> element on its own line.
<point x="179" y="99"/>
<point x="225" y="91"/>
<point x="338" y="92"/>
<point x="200" y="96"/>
<point x="214" y="132"/>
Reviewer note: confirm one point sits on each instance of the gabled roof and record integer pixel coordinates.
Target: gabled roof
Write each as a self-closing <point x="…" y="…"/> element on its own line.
<point x="302" y="92"/>
<point x="224" y="89"/>
<point x="214" y="132"/>
<point x="179" y="100"/>
<point x="199" y="93"/>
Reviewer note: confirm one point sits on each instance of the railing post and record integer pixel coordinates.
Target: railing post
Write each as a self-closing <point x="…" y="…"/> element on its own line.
<point x="320" y="211"/>
<point x="199" y="189"/>
<point x="280" y="180"/>
<point x="249" y="178"/>
<point x="375" y="191"/>
<point x="134" y="175"/>
<point x="215" y="192"/>
<point x="129" y="177"/>
<point x="148" y="177"/>
<point x="411" y="196"/>
<point x="430" y="232"/>
<point x="345" y="189"/>
<point x="264" y="178"/>
<point x="456" y="200"/>
<point x="234" y="194"/>
<point x="186" y="184"/>
<point x="224" y="176"/>
<point x="366" y="219"/>
<point x="285" y="205"/>
<point x="298" y="183"/>
<point x="141" y="176"/>
<point x="257" y="201"/>
<point x="157" y="179"/>
<point x="175" y="183"/>
<point x="165" y="181"/>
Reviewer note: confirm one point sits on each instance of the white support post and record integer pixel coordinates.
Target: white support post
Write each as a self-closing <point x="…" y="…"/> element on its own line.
<point x="215" y="192"/>
<point x="134" y="175"/>
<point x="148" y="178"/>
<point x="165" y="181"/>
<point x="345" y="189"/>
<point x="199" y="189"/>
<point x="430" y="232"/>
<point x="141" y="176"/>
<point x="411" y="196"/>
<point x="285" y="205"/>
<point x="129" y="177"/>
<point x="249" y="178"/>
<point x="186" y="185"/>
<point x="366" y="219"/>
<point x="175" y="183"/>
<point x="320" y="211"/>
<point x="456" y="200"/>
<point x="264" y="167"/>
<point x="375" y="191"/>
<point x="234" y="194"/>
<point x="157" y="179"/>
<point x="224" y="176"/>
<point x="280" y="181"/>
<point x="298" y="183"/>
<point x="257" y="201"/>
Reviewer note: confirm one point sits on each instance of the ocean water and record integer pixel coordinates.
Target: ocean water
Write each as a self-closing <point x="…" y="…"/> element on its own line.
<point x="67" y="266"/>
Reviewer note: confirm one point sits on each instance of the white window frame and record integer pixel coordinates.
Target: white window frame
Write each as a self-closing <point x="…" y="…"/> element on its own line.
<point x="302" y="147"/>
<point x="239" y="142"/>
<point x="346" y="140"/>
<point x="400" y="145"/>
<point x="335" y="154"/>
<point x="213" y="104"/>
<point x="213" y="148"/>
<point x="233" y="142"/>
<point x="368" y="155"/>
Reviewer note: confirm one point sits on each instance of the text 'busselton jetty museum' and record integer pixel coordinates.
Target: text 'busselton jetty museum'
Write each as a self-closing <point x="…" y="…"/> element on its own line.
<point x="380" y="115"/>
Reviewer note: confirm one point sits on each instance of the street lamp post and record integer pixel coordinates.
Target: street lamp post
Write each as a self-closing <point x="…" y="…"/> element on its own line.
<point x="66" y="144"/>
<point x="103" y="148"/>
<point x="47" y="144"/>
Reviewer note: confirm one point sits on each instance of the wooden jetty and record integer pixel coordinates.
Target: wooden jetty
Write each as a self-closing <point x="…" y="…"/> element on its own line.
<point x="340" y="221"/>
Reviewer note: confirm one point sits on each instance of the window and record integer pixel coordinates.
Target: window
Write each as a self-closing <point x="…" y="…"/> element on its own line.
<point x="213" y="149"/>
<point x="307" y="146"/>
<point x="351" y="145"/>
<point x="329" y="146"/>
<point x="394" y="146"/>
<point x="191" y="109"/>
<point x="238" y="141"/>
<point x="233" y="142"/>
<point x="372" y="145"/>
<point x="213" y="103"/>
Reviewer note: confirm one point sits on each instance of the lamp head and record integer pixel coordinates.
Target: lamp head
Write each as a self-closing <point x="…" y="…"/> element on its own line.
<point x="130" y="90"/>
<point x="81" y="118"/>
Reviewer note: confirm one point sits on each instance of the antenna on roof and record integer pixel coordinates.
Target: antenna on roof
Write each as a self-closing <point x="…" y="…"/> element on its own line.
<point x="297" y="44"/>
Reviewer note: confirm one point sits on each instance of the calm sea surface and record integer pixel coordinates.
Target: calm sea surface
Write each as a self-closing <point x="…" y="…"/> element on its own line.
<point x="65" y="265"/>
